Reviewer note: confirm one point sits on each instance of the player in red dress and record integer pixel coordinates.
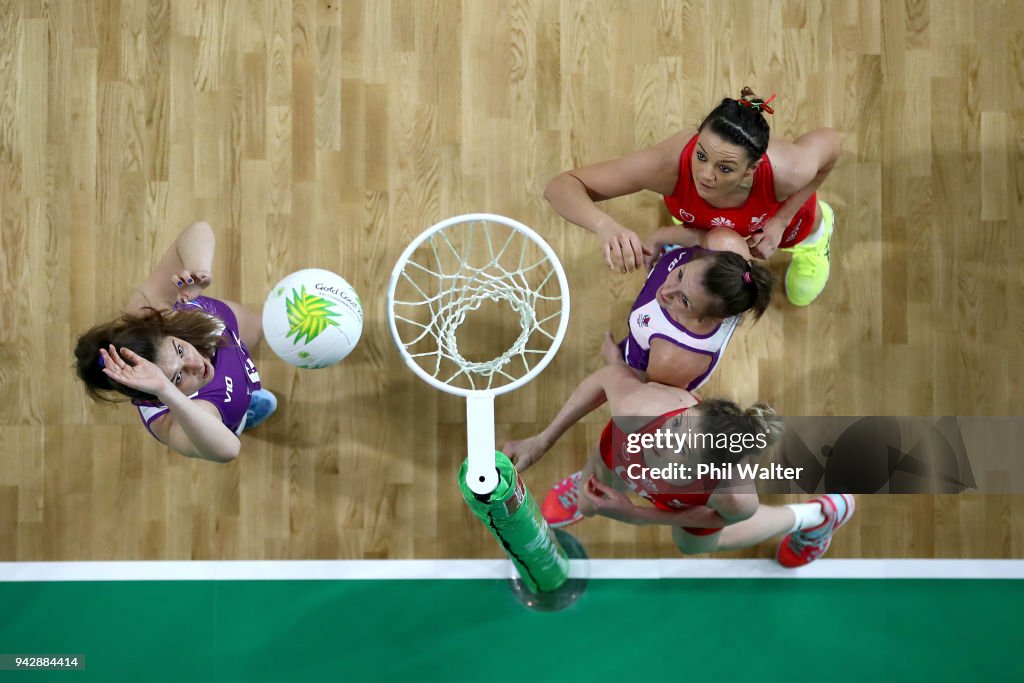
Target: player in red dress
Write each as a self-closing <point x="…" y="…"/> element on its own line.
<point x="725" y="173"/>
<point x="707" y="514"/>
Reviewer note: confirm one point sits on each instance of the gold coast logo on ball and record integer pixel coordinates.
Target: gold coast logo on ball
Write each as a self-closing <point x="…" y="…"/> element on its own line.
<point x="308" y="315"/>
<point x="312" y="318"/>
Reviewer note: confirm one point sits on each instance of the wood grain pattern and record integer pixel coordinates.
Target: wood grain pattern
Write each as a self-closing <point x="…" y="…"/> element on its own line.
<point x="328" y="133"/>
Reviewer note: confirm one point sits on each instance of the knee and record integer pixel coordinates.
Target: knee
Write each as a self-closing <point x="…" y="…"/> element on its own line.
<point x="688" y="550"/>
<point x="687" y="544"/>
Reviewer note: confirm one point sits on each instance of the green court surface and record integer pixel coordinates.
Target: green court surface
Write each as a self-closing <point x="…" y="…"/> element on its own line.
<point x="474" y="630"/>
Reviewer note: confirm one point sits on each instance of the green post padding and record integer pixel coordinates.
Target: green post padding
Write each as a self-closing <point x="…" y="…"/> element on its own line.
<point x="512" y="515"/>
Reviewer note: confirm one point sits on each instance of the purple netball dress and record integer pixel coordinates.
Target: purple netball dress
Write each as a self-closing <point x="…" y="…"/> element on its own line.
<point x="648" y="321"/>
<point x="235" y="376"/>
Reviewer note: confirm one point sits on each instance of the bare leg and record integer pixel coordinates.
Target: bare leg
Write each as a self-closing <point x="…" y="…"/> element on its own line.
<point x="817" y="230"/>
<point x="690" y="544"/>
<point x="250" y="324"/>
<point x="767" y="522"/>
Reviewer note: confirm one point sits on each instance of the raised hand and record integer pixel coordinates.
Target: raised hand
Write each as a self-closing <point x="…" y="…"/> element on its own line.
<point x="603" y="500"/>
<point x="623" y="250"/>
<point x="132" y="370"/>
<point x="525" y="452"/>
<point x="190" y="284"/>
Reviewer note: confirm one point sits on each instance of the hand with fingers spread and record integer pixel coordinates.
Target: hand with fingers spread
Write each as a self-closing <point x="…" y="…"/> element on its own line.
<point x="623" y="250"/>
<point x="190" y="284"/>
<point x="602" y="499"/>
<point x="132" y="370"/>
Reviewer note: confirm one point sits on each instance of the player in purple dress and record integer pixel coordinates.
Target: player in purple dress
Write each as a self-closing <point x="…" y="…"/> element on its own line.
<point x="679" y="327"/>
<point x="183" y="359"/>
<point x="693" y="300"/>
<point x="690" y="345"/>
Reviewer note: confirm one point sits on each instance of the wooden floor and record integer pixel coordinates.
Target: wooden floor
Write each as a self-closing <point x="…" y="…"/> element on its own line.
<point x="329" y="133"/>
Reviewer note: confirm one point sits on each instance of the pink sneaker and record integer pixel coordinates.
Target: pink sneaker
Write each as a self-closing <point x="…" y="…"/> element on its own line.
<point x="561" y="507"/>
<point x="805" y="546"/>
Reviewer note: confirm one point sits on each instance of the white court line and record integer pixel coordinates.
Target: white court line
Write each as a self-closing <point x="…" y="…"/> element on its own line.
<point x="297" y="570"/>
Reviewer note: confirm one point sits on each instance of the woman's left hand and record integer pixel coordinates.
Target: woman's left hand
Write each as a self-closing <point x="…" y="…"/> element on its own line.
<point x="190" y="284"/>
<point x="606" y="501"/>
<point x="764" y="243"/>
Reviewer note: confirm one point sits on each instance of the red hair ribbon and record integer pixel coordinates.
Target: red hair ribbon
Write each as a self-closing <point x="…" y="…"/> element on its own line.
<point x="758" y="106"/>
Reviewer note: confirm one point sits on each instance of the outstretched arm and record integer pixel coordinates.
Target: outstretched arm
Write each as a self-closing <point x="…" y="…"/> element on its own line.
<point x="574" y="195"/>
<point x="191" y="428"/>
<point x="182" y="272"/>
<point x="712" y="516"/>
<point x="588" y="395"/>
<point x="626" y="390"/>
<point x="598" y="496"/>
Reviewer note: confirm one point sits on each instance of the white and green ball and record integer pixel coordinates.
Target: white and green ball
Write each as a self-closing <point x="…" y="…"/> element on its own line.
<point x="312" y="318"/>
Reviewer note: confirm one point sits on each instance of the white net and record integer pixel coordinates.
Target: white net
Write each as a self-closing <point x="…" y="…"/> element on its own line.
<point x="448" y="297"/>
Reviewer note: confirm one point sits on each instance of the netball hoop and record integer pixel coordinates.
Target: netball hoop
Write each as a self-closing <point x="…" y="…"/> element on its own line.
<point x="443" y="284"/>
<point x="441" y="280"/>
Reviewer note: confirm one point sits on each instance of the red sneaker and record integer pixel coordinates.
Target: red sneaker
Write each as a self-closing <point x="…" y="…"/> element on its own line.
<point x="805" y="546"/>
<point x="561" y="506"/>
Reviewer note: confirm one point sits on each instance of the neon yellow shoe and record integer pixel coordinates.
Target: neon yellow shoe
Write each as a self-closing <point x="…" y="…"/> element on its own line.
<point x="807" y="274"/>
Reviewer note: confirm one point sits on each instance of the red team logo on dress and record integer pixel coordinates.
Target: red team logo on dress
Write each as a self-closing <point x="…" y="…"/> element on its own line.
<point x="793" y="231"/>
<point x="751" y="217"/>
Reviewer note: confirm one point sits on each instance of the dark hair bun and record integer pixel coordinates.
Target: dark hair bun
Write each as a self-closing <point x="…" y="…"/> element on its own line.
<point x="741" y="122"/>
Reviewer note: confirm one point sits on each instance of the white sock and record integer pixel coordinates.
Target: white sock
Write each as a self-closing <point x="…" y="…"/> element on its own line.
<point x="808" y="516"/>
<point x="816" y="234"/>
